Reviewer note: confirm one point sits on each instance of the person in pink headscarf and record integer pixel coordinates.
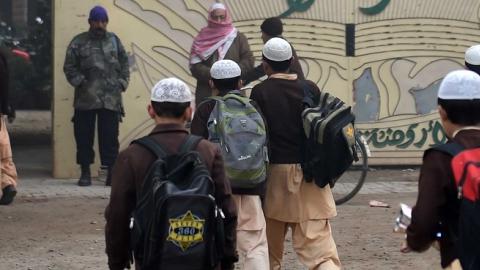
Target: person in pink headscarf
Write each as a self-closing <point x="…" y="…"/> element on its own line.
<point x="217" y="41"/>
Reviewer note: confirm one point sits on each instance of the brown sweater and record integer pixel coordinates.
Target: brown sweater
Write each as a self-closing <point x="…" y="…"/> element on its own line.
<point x="280" y="100"/>
<point x="437" y="201"/>
<point x="128" y="174"/>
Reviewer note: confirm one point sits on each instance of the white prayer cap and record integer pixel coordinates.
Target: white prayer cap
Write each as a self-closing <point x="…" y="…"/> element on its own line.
<point x="460" y="85"/>
<point x="277" y="49"/>
<point x="225" y="69"/>
<point x="472" y="55"/>
<point x="218" y="6"/>
<point x="171" y="90"/>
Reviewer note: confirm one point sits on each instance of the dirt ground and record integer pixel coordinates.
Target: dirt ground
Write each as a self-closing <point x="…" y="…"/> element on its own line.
<point x="68" y="234"/>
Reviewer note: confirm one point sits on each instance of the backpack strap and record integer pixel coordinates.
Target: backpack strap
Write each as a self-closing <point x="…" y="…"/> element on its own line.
<point x="208" y="99"/>
<point x="152" y="145"/>
<point x="190" y="143"/>
<point x="308" y="95"/>
<point x="235" y="94"/>
<point x="452" y="148"/>
<point x="215" y="98"/>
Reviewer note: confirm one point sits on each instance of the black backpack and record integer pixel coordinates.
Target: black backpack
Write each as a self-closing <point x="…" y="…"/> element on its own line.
<point x="465" y="166"/>
<point x="329" y="146"/>
<point x="176" y="223"/>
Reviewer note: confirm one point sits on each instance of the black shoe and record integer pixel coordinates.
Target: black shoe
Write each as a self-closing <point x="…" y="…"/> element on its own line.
<point x="85" y="178"/>
<point x="9" y="193"/>
<point x="108" y="182"/>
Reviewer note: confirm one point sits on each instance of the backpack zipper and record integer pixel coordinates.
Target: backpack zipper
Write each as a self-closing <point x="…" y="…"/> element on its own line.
<point x="131" y="223"/>
<point x="217" y="209"/>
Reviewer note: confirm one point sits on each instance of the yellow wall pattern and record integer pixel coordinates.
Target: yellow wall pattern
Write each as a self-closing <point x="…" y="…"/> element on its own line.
<point x="401" y="54"/>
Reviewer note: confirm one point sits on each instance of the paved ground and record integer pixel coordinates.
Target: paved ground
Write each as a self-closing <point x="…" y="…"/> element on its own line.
<point x="57" y="188"/>
<point x="53" y="224"/>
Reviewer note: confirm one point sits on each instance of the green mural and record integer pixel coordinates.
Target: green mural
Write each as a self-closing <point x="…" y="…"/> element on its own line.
<point x="376" y="9"/>
<point x="406" y="138"/>
<point x="297" y="6"/>
<point x="304" y="5"/>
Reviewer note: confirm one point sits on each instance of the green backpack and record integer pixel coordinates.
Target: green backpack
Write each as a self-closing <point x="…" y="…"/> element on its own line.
<point x="238" y="128"/>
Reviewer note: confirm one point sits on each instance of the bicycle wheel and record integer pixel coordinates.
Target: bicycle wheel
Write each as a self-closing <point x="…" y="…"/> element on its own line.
<point x="351" y="181"/>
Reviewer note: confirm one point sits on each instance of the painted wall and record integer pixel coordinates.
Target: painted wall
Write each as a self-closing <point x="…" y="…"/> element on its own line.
<point x="384" y="57"/>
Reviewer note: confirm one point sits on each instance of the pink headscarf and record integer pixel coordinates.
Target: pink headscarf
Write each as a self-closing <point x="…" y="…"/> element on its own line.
<point x="212" y="35"/>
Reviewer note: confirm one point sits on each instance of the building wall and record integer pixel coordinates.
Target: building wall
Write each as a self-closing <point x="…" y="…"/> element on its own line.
<point x="385" y="60"/>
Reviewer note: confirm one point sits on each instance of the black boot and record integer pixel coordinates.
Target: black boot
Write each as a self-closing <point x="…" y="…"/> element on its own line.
<point x="108" y="182"/>
<point x="9" y="193"/>
<point x="85" y="178"/>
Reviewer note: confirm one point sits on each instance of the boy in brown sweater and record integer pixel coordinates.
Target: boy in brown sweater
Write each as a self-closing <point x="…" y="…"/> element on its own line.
<point x="436" y="213"/>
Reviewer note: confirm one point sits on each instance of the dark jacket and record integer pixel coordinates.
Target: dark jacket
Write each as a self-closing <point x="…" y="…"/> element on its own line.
<point x="238" y="52"/>
<point x="4" y="85"/>
<point x="98" y="69"/>
<point x="437" y="207"/>
<point x="127" y="177"/>
<point x="281" y="102"/>
<point x="258" y="72"/>
<point x="199" y="127"/>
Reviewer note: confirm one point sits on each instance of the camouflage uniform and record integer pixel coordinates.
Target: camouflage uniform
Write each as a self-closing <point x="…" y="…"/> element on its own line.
<point x="98" y="69"/>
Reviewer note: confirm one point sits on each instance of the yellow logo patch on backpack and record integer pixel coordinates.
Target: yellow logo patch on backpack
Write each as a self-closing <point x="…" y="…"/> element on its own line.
<point x="186" y="230"/>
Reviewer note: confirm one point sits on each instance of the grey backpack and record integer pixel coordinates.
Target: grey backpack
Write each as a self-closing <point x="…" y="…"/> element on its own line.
<point x="238" y="128"/>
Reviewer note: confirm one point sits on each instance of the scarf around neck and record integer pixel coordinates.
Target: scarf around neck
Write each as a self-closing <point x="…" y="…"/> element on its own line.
<point x="216" y="36"/>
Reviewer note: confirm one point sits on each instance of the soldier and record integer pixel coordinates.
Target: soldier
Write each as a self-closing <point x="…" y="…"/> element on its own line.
<point x="96" y="64"/>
